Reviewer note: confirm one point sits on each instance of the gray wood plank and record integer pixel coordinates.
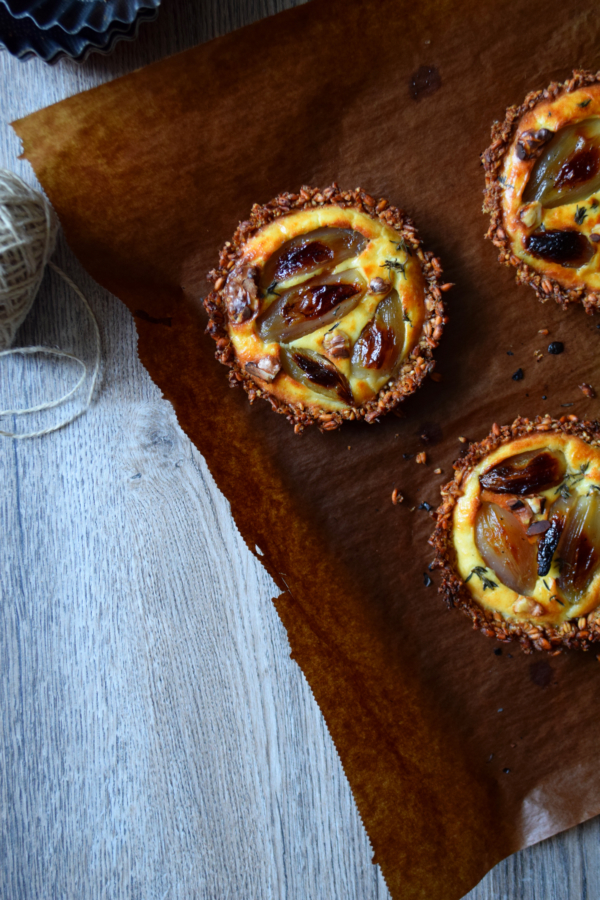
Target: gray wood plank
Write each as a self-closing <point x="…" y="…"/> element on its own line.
<point x="156" y="739"/>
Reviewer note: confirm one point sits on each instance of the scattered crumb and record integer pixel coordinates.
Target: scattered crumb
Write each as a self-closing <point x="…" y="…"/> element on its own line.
<point x="543" y="331"/>
<point x="421" y="457"/>
<point x="397" y="497"/>
<point x="437" y="471"/>
<point x="349" y="448"/>
<point x="539" y="355"/>
<point x="462" y="439"/>
<point x="588" y="390"/>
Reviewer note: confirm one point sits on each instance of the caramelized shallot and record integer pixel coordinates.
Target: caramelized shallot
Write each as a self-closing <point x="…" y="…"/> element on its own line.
<point x="379" y="347"/>
<point x="525" y="473"/>
<point x="503" y="544"/>
<point x="316" y="372"/>
<point x="568" y="169"/>
<point x="305" y="254"/>
<point x="579" y="547"/>
<point x="311" y="305"/>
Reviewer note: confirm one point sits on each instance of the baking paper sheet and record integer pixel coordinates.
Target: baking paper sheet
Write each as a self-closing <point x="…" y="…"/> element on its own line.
<point x="456" y="756"/>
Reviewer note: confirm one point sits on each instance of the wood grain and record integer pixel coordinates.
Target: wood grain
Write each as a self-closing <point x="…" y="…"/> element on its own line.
<point x="156" y="739"/>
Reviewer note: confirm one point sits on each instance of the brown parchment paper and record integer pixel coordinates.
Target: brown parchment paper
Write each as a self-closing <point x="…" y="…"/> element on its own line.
<point x="150" y="175"/>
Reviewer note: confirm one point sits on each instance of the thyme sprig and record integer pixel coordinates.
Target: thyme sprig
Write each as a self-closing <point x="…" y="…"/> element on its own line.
<point x="487" y="583"/>
<point x="402" y="245"/>
<point x="390" y="264"/>
<point x="580" y="215"/>
<point x="564" y="489"/>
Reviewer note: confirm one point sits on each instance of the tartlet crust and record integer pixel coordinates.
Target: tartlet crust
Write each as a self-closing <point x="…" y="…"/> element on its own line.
<point x="561" y="101"/>
<point x="579" y="632"/>
<point x="416" y="365"/>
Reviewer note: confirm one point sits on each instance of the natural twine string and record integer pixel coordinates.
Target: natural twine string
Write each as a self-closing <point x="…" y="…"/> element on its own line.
<point x="28" y="229"/>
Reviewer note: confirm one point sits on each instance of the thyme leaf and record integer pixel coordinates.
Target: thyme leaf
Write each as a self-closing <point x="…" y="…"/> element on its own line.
<point x="557" y="598"/>
<point x="585" y="103"/>
<point x="271" y="289"/>
<point x="406" y="317"/>
<point x="580" y="215"/>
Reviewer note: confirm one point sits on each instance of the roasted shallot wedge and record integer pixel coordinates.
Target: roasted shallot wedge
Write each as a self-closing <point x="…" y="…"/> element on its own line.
<point x="313" y="304"/>
<point x="378" y="349"/>
<point x="316" y="372"/>
<point x="525" y="473"/>
<point x="578" y="551"/>
<point x="568" y="168"/>
<point x="309" y="252"/>
<point x="505" y="547"/>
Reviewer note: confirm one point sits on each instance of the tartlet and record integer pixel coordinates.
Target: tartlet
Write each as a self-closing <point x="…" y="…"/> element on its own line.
<point x="326" y="305"/>
<point x="518" y="534"/>
<point x="542" y="192"/>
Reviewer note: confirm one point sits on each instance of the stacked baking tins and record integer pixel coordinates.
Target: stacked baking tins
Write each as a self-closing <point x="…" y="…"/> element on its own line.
<point x="52" y="29"/>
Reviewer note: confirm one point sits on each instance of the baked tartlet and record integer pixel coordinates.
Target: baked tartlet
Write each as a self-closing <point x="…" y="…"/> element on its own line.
<point x="326" y="305"/>
<point x="543" y="190"/>
<point x="518" y="534"/>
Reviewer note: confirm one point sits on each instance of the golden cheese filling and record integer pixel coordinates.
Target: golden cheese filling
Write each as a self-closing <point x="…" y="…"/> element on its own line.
<point x="527" y="529"/>
<point x="551" y="188"/>
<point x="324" y="305"/>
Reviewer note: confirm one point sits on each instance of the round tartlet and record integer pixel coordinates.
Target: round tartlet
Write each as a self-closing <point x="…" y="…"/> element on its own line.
<point x="543" y="190"/>
<point x="518" y="534"/>
<point x="326" y="305"/>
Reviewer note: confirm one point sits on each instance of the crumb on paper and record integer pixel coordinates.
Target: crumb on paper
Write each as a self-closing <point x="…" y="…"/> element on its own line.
<point x="588" y="390"/>
<point x="397" y="497"/>
<point x="421" y="458"/>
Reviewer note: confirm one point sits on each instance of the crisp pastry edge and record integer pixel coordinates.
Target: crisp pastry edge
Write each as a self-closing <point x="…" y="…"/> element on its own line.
<point x="420" y="358"/>
<point x="492" y="159"/>
<point x="574" y="633"/>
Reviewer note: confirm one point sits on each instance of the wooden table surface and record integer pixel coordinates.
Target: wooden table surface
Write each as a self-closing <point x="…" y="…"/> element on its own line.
<point x="157" y="742"/>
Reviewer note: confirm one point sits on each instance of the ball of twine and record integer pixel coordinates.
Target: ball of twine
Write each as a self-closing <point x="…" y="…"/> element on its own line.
<point x="28" y="227"/>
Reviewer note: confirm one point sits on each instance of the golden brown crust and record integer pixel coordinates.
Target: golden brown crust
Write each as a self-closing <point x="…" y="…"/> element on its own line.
<point x="574" y="633"/>
<point x="544" y="284"/>
<point x="415" y="367"/>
